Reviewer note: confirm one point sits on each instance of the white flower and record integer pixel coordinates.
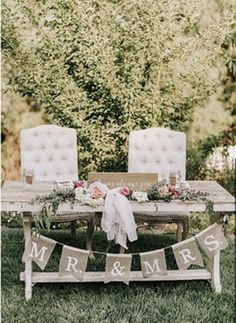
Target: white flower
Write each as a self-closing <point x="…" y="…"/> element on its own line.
<point x="140" y="196"/>
<point x="84" y="197"/>
<point x="65" y="185"/>
<point x="81" y="194"/>
<point x="95" y="202"/>
<point x="184" y="185"/>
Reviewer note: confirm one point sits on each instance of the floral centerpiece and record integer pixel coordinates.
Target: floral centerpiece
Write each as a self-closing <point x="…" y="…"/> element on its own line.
<point x="71" y="192"/>
<point x="95" y="194"/>
<point x="167" y="193"/>
<point x="182" y="192"/>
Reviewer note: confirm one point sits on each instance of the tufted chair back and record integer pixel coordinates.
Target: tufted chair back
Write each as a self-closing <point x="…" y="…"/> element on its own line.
<point x="157" y="150"/>
<point x="51" y="151"/>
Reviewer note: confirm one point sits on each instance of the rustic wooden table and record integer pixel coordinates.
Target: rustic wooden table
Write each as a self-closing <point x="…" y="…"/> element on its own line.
<point x="17" y="197"/>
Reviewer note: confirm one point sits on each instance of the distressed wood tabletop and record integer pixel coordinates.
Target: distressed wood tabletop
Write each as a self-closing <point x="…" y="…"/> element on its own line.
<point x="17" y="196"/>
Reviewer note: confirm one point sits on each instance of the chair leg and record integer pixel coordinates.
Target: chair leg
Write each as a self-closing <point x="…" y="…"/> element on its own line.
<point x="122" y="250"/>
<point x="73" y="228"/>
<point x="185" y="229"/>
<point x="89" y="235"/>
<point x="179" y="231"/>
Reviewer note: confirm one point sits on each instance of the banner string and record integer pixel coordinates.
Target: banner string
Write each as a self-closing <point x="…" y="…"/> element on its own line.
<point x="134" y="253"/>
<point x="105" y="253"/>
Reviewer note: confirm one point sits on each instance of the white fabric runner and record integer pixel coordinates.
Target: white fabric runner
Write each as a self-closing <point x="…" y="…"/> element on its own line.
<point x="117" y="218"/>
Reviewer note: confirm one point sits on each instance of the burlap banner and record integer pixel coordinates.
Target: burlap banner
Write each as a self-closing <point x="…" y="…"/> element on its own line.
<point x="153" y="263"/>
<point x="212" y="240"/>
<point x="39" y="250"/>
<point x="118" y="268"/>
<point x="74" y="261"/>
<point x="187" y="253"/>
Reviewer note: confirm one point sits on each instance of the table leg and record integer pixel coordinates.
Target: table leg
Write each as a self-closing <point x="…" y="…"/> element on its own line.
<point x="214" y="267"/>
<point x="28" y="263"/>
<point x="89" y="235"/>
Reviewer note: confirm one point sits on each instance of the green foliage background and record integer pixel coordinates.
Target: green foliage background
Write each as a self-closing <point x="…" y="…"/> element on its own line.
<point x="108" y="67"/>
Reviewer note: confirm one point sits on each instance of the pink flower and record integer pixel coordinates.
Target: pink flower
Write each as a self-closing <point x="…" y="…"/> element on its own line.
<point x="97" y="193"/>
<point x="124" y="191"/>
<point x="174" y="191"/>
<point x="78" y="184"/>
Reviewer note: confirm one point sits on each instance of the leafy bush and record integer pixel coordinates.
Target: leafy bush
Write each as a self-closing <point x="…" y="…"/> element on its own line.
<point x="198" y="153"/>
<point x="11" y="219"/>
<point x="226" y="178"/>
<point x="108" y="67"/>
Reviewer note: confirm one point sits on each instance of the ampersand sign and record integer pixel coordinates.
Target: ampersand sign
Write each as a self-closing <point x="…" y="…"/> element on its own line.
<point x="118" y="268"/>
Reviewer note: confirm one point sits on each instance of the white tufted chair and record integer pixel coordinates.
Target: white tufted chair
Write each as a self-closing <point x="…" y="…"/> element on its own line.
<point x="158" y="150"/>
<point x="52" y="152"/>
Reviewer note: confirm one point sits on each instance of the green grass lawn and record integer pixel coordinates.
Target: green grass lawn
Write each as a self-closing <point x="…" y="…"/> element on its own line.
<point x="179" y="302"/>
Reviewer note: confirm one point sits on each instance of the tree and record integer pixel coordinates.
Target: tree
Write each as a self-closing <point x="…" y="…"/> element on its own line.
<point x="108" y="67"/>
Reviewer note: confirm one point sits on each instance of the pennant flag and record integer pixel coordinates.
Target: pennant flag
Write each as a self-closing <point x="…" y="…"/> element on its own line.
<point x="187" y="253"/>
<point x="118" y="268"/>
<point x="74" y="261"/>
<point x="39" y="250"/>
<point x="153" y="263"/>
<point x="212" y="240"/>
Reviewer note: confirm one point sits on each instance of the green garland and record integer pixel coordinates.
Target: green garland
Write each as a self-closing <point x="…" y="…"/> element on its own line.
<point x="50" y="202"/>
<point x="154" y="194"/>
